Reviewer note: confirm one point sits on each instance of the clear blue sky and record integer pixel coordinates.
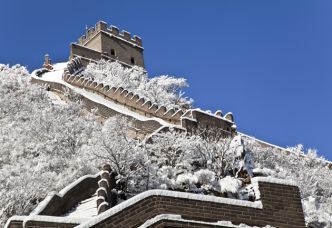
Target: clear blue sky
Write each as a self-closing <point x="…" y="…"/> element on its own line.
<point x="268" y="62"/>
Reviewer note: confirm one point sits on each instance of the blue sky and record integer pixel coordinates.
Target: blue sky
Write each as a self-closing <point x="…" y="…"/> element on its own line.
<point x="268" y="62"/>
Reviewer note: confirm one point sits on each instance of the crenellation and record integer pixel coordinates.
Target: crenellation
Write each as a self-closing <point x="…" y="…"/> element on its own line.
<point x="101" y="26"/>
<point x="114" y="30"/>
<point x="103" y="42"/>
<point x="229" y="116"/>
<point x="137" y="40"/>
<point x="145" y="107"/>
<point x="154" y="108"/>
<point x="140" y="101"/>
<point x="125" y="35"/>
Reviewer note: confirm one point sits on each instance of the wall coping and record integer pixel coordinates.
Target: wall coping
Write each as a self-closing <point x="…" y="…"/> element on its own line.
<point x="175" y="217"/>
<point x="83" y="223"/>
<point x="43" y="204"/>
<point x="257" y="204"/>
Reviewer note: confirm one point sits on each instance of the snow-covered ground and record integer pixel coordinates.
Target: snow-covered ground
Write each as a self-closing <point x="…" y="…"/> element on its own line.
<point x="56" y="76"/>
<point x="85" y="209"/>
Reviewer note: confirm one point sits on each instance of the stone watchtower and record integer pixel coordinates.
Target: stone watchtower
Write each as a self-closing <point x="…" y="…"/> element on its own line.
<point x="103" y="42"/>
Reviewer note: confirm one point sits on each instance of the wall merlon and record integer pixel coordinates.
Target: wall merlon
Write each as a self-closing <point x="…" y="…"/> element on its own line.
<point x="125" y="35"/>
<point x="137" y="40"/>
<point x="101" y="26"/>
<point x="140" y="101"/>
<point x="114" y="30"/>
<point x="154" y="108"/>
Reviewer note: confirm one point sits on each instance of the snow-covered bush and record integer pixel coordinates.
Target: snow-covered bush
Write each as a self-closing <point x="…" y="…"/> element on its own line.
<point x="196" y="163"/>
<point x="162" y="90"/>
<point x="229" y="184"/>
<point x="307" y="169"/>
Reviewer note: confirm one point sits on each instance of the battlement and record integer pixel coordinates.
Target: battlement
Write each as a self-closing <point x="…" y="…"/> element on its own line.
<point x="189" y="119"/>
<point x="107" y="42"/>
<point x="112" y="30"/>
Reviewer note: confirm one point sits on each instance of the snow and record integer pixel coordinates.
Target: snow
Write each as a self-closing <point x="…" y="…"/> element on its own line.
<point x="59" y="66"/>
<point x="274" y="181"/>
<point x="182" y="195"/>
<point x="14" y="218"/>
<point x="85" y="209"/>
<point x="53" y="219"/>
<point x="207" y="113"/>
<point x="55" y="98"/>
<point x="229" y="184"/>
<point x="188" y="118"/>
<point x="263" y="142"/>
<point x="263" y="171"/>
<point x="56" y="76"/>
<point x="44" y="218"/>
<point x="174" y="217"/>
<point x="41" y="206"/>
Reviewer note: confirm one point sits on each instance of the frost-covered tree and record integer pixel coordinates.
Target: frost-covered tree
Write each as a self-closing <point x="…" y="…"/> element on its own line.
<point x="162" y="90"/>
<point x="307" y="169"/>
<point x="196" y="163"/>
<point x="40" y="143"/>
<point x="111" y="144"/>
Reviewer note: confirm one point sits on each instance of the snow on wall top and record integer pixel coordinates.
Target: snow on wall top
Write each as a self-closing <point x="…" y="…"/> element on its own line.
<point x="130" y="99"/>
<point x="174" y="217"/>
<point x="42" y="205"/>
<point x="157" y="192"/>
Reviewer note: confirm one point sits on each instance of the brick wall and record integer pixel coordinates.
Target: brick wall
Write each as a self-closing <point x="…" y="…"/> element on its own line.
<point x="281" y="208"/>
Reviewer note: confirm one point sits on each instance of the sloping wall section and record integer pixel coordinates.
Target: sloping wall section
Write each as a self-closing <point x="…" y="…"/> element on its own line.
<point x="278" y="204"/>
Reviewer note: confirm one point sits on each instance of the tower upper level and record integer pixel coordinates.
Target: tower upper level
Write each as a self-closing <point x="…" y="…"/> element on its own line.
<point x="107" y="42"/>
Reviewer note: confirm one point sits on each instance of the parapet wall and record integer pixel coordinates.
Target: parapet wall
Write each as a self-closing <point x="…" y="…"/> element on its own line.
<point x="120" y="95"/>
<point x="278" y="204"/>
<point x="281" y="207"/>
<point x="113" y="30"/>
<point x="141" y="105"/>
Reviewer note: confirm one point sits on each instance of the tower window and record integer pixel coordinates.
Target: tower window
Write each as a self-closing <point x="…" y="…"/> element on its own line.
<point x="112" y="52"/>
<point x="132" y="60"/>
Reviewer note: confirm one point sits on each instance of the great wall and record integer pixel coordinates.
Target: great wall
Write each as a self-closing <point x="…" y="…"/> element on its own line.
<point x="277" y="202"/>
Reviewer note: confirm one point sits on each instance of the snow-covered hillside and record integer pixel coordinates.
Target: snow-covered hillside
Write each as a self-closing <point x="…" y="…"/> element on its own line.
<point x="47" y="142"/>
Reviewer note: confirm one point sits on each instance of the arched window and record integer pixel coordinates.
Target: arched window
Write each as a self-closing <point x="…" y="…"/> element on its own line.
<point x="132" y="60"/>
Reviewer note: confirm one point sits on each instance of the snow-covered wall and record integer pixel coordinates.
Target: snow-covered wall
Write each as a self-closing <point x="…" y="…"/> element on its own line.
<point x="145" y="107"/>
<point x="279" y="205"/>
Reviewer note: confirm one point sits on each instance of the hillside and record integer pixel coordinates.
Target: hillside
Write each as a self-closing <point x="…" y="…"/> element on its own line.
<point x="48" y="140"/>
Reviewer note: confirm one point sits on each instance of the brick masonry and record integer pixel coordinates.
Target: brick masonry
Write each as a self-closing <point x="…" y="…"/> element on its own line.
<point x="281" y="208"/>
